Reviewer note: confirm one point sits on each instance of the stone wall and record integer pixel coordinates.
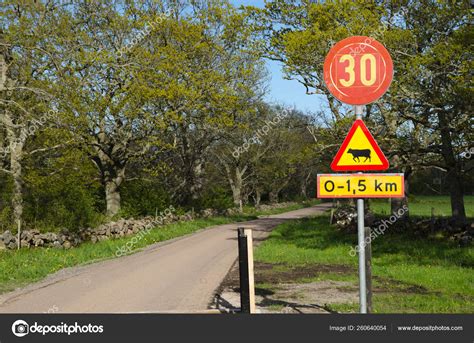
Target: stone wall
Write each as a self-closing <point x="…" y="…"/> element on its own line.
<point x="67" y="239"/>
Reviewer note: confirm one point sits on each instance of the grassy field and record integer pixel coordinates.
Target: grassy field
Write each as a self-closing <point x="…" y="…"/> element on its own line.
<point x="18" y="268"/>
<point x="411" y="274"/>
<point x="421" y="205"/>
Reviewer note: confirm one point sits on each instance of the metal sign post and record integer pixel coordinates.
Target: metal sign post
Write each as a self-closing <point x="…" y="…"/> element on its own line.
<point x="360" y="234"/>
<point x="357" y="71"/>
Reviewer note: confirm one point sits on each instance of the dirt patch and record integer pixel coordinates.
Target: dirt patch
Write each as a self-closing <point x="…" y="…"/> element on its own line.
<point x="311" y="297"/>
<point x="388" y="285"/>
<point x="267" y="273"/>
<point x="287" y="294"/>
<point x="282" y="289"/>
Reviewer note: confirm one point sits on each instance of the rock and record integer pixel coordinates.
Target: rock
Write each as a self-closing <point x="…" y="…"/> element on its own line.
<point x="38" y="242"/>
<point x="123" y="227"/>
<point x="345" y="218"/>
<point x="232" y="211"/>
<point x="61" y="239"/>
<point x="8" y="237"/>
<point x="465" y="241"/>
<point x="369" y="218"/>
<point x="50" y="236"/>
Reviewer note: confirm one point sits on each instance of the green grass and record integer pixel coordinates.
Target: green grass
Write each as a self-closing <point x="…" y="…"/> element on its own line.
<point x="421" y="205"/>
<point x="422" y="275"/>
<point x="19" y="268"/>
<point x="250" y="210"/>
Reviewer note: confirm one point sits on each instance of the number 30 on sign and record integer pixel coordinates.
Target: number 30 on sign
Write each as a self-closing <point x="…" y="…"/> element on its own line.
<point x="358" y="70"/>
<point x="360" y="186"/>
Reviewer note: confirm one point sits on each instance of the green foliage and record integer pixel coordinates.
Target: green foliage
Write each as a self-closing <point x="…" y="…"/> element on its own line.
<point x="144" y="197"/>
<point x="150" y="106"/>
<point x="216" y="197"/>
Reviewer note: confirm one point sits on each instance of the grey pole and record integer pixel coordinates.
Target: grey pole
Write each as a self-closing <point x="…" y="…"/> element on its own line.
<point x="360" y="234"/>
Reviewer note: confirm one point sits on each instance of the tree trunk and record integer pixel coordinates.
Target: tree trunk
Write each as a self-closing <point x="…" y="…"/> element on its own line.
<point x="112" y="197"/>
<point x="236" y="184"/>
<point x="112" y="173"/>
<point x="237" y="193"/>
<point x="258" y="197"/>
<point x="235" y="179"/>
<point x="16" y="172"/>
<point x="195" y="186"/>
<point x="113" y="178"/>
<point x="303" y="190"/>
<point x="453" y="168"/>
<point x="304" y="186"/>
<point x="399" y="206"/>
<point x="16" y="139"/>
<point x="273" y="196"/>
<point x="457" y="197"/>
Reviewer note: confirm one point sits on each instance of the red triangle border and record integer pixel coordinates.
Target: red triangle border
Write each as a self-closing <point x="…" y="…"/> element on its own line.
<point x="359" y="123"/>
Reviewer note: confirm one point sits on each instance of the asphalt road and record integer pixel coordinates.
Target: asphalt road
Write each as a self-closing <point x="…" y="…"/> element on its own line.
<point x="180" y="275"/>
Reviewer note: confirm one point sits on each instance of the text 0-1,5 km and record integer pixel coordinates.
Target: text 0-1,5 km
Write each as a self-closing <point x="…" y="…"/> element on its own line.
<point x="360" y="186"/>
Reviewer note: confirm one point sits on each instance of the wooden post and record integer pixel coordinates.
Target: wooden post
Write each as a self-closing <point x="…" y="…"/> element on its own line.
<point x="247" y="287"/>
<point x="368" y="269"/>
<point x="19" y="234"/>
<point x="248" y="233"/>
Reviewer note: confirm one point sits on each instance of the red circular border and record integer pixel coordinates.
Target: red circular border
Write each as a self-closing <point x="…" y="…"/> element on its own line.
<point x="365" y="99"/>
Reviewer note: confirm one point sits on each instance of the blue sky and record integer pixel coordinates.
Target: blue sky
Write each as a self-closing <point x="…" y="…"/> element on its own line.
<point x="288" y="92"/>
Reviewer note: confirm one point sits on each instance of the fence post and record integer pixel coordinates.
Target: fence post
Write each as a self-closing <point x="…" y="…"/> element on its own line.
<point x="247" y="288"/>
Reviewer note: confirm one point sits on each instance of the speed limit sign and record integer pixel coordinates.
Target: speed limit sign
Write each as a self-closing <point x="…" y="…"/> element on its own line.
<point x="358" y="70"/>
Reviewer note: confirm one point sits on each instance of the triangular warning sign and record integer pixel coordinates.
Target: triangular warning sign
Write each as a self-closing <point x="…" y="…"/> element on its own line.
<point x="359" y="151"/>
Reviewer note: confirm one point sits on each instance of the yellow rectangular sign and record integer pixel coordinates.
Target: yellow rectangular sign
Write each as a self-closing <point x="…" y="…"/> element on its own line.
<point x="360" y="186"/>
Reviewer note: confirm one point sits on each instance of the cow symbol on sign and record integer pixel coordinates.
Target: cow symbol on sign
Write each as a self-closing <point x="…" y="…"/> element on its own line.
<point x="356" y="153"/>
<point x="359" y="151"/>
